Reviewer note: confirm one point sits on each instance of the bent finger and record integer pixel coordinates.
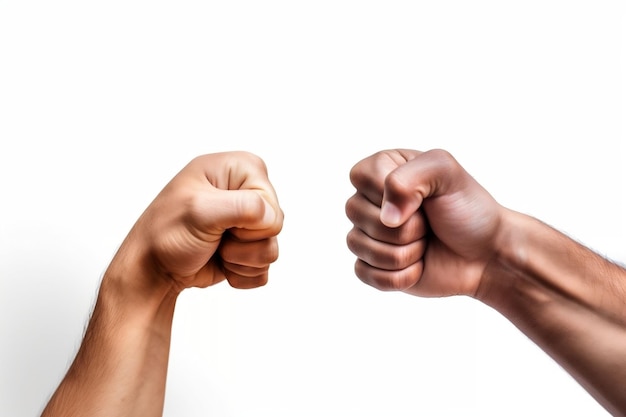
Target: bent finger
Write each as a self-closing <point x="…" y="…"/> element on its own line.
<point x="246" y="282"/>
<point x="384" y="280"/>
<point x="384" y="255"/>
<point x="366" y="216"/>
<point x="254" y="254"/>
<point x="428" y="174"/>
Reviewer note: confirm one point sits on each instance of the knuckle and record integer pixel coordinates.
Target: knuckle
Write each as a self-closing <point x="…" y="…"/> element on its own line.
<point x="351" y="209"/>
<point x="443" y="158"/>
<point x="399" y="281"/>
<point x="402" y="235"/>
<point x="396" y="182"/>
<point x="351" y="241"/>
<point x="400" y="258"/>
<point x="356" y="175"/>
<point x="251" y="159"/>
<point x="250" y="209"/>
<point x="196" y="204"/>
<point x="270" y="254"/>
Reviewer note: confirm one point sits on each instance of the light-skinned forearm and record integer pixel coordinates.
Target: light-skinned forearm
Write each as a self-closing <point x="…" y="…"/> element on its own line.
<point x="216" y="220"/>
<point x="121" y="366"/>
<point x="567" y="299"/>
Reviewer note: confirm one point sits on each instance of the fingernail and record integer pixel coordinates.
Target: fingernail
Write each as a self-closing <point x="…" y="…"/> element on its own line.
<point x="269" y="215"/>
<point x="390" y="214"/>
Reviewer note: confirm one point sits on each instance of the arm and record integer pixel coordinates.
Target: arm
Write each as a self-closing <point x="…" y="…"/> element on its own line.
<point x="567" y="299"/>
<point x="216" y="220"/>
<point x="424" y="226"/>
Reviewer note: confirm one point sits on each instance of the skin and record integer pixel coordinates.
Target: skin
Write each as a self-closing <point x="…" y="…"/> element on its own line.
<point x="424" y="226"/>
<point x="216" y="220"/>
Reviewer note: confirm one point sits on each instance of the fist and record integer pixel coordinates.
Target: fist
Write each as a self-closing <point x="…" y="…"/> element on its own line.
<point x="216" y="220"/>
<point x="422" y="224"/>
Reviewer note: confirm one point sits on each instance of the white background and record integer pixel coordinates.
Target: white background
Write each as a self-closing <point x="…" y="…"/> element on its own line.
<point x="101" y="103"/>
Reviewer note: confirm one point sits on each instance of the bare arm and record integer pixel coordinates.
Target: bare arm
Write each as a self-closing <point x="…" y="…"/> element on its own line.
<point x="566" y="298"/>
<point x="424" y="226"/>
<point x="121" y="366"/>
<point x="216" y="220"/>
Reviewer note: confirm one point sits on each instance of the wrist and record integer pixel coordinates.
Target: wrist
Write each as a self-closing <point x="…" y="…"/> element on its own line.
<point x="535" y="263"/>
<point x="509" y="271"/>
<point x="134" y="286"/>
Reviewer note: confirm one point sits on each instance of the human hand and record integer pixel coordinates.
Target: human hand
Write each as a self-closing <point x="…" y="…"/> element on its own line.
<point x="422" y="224"/>
<point x="217" y="219"/>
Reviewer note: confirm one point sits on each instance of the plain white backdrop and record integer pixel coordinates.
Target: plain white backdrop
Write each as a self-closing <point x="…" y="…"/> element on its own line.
<point x="101" y="103"/>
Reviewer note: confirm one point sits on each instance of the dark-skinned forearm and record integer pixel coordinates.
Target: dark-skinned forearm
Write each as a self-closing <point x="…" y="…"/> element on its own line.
<point x="563" y="296"/>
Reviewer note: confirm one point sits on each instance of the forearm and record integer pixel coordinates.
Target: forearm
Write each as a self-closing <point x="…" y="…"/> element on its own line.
<point x="565" y="298"/>
<point x="121" y="366"/>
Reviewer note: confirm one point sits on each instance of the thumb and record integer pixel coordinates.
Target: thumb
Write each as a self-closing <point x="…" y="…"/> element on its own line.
<point x="242" y="209"/>
<point x="427" y="175"/>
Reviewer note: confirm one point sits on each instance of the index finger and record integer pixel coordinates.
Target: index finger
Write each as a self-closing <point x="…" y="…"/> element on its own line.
<point x="368" y="175"/>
